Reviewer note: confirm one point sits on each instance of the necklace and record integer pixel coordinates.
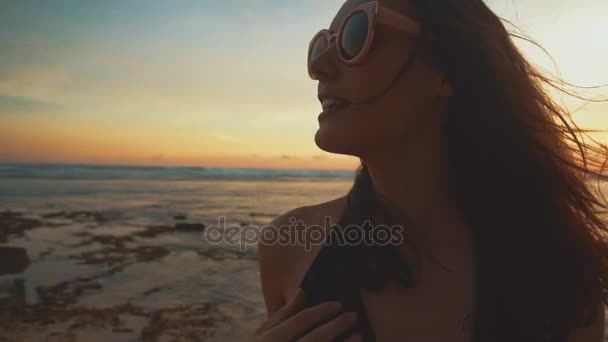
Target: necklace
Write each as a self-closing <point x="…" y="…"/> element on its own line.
<point x="465" y="324"/>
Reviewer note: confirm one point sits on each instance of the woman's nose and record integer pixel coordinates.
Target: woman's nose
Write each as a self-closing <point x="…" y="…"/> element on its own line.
<point x="323" y="67"/>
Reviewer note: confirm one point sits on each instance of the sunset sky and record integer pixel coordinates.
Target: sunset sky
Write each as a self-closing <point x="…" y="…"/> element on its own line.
<point x="211" y="83"/>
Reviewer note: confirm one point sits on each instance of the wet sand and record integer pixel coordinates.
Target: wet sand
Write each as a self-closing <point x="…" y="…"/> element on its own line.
<point x="70" y="308"/>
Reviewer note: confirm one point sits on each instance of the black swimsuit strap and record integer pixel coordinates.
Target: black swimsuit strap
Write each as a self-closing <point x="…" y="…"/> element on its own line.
<point x="328" y="279"/>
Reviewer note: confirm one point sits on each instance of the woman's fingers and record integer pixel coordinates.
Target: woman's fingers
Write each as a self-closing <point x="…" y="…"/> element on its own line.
<point x="288" y="322"/>
<point x="332" y="329"/>
<point x="284" y="312"/>
<point x="303" y="321"/>
<point x="354" y="338"/>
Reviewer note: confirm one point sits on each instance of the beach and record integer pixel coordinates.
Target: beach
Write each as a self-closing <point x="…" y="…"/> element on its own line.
<point x="119" y="253"/>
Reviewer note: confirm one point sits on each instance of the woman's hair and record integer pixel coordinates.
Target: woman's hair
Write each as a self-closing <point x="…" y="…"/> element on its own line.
<point x="519" y="171"/>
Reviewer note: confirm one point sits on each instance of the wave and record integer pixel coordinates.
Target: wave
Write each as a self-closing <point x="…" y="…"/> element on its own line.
<point x="107" y="172"/>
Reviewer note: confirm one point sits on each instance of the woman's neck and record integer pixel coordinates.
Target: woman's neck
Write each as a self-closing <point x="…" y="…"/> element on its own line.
<point x="412" y="182"/>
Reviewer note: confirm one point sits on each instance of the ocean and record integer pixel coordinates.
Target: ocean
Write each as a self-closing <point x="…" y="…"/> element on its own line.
<point x="117" y="253"/>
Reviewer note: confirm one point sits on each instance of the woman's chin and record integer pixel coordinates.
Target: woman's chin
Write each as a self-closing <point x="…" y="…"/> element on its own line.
<point x="333" y="142"/>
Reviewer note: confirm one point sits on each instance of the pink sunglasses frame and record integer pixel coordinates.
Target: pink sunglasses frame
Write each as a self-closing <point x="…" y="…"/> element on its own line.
<point x="377" y="14"/>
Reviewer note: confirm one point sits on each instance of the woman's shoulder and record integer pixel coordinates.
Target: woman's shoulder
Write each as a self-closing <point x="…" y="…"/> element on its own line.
<point x="312" y="214"/>
<point x="282" y="260"/>
<point x="301" y="217"/>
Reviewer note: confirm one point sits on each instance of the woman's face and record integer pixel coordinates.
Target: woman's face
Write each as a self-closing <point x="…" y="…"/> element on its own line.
<point x="396" y="118"/>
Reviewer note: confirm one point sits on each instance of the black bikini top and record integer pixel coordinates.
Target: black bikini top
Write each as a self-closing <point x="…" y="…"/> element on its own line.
<point x="329" y="278"/>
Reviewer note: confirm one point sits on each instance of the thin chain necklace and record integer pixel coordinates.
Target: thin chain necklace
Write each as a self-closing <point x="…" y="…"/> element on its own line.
<point x="465" y="322"/>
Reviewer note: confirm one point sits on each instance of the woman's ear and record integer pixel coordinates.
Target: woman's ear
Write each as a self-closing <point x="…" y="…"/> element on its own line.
<point x="442" y="83"/>
<point x="445" y="87"/>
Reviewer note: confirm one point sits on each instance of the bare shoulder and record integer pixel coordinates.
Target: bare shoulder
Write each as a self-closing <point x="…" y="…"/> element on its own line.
<point x="593" y="332"/>
<point x="282" y="262"/>
<point x="312" y="214"/>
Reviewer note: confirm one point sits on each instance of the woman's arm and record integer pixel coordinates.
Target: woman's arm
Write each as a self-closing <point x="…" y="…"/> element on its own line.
<point x="274" y="262"/>
<point x="287" y="319"/>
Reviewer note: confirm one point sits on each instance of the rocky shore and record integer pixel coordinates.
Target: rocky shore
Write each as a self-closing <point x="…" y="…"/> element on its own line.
<point x="91" y="276"/>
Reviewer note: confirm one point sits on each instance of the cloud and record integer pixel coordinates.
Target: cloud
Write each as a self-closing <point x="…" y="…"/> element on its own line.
<point x="227" y="75"/>
<point x="27" y="105"/>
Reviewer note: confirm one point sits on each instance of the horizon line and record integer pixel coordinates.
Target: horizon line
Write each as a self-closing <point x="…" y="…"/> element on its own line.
<point x="183" y="166"/>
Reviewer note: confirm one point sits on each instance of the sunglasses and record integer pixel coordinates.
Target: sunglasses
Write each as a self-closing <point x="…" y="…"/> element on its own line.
<point x="355" y="34"/>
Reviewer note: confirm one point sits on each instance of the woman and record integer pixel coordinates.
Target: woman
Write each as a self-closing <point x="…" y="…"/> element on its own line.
<point x="459" y="145"/>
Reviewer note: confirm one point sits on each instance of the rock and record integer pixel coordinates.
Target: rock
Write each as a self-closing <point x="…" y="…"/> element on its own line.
<point x="81" y="215"/>
<point x="13" y="260"/>
<point x="190" y="227"/>
<point x="54" y="214"/>
<point x="151" y="253"/>
<point x="253" y="214"/>
<point x="12" y="223"/>
<point x="12" y="300"/>
<point x="154" y="231"/>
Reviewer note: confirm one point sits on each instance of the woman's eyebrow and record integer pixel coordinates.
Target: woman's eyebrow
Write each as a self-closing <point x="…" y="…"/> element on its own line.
<point x="333" y="26"/>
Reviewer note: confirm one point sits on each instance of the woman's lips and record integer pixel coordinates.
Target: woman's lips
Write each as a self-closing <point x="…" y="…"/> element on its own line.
<point x="333" y="109"/>
<point x="331" y="102"/>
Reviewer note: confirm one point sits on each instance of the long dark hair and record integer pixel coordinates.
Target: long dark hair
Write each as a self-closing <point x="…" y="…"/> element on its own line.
<point x="521" y="174"/>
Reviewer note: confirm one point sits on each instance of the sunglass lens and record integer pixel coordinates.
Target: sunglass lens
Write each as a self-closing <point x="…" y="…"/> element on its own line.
<point x="354" y="35"/>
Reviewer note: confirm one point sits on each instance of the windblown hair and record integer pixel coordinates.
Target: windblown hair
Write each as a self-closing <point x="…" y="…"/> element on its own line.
<point x="522" y="175"/>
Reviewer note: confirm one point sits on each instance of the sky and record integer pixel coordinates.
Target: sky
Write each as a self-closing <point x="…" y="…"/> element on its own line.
<point x="213" y="83"/>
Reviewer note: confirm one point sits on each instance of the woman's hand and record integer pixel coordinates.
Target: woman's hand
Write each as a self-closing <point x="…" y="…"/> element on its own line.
<point x="287" y="323"/>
